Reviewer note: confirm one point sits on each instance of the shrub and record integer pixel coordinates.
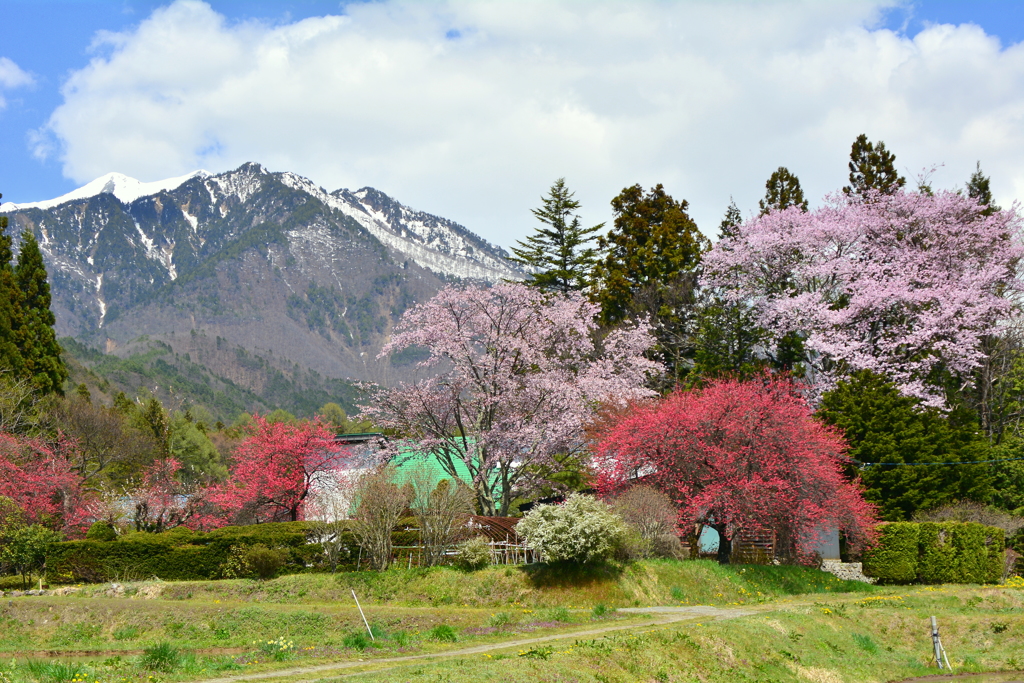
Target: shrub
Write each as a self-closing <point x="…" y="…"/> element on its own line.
<point x="473" y="554"/>
<point x="647" y="510"/>
<point x="937" y="552"/>
<point x="893" y="556"/>
<point x="254" y="561"/>
<point x="379" y="505"/>
<point x="581" y="530"/>
<point x="265" y="562"/>
<point x="101" y="531"/>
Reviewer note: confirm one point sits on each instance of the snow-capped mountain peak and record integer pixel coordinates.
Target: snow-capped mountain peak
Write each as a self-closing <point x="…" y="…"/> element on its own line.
<point x="123" y="187"/>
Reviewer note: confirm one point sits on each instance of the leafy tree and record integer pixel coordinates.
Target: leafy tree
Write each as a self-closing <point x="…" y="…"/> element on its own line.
<point x="40" y="479"/>
<point x="559" y="253"/>
<point x="191" y="447"/>
<point x="892" y="430"/>
<point x="745" y="458"/>
<point x="978" y="189"/>
<point x="872" y="168"/>
<point x="380" y="503"/>
<point x="276" y="467"/>
<point x="37" y="339"/>
<point x="26" y="548"/>
<point x="109" y="449"/>
<point x="649" y="269"/>
<point x="783" y="191"/>
<point x="519" y="376"/>
<point x="907" y="285"/>
<point x="442" y="509"/>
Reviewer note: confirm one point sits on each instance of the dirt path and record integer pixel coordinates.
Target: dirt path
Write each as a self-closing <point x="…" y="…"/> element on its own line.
<point x="666" y="615"/>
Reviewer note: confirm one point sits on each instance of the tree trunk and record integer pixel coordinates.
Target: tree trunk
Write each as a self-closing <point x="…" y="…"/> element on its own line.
<point x="724" y="544"/>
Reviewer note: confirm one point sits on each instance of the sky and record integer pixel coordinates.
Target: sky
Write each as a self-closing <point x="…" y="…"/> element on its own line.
<point x="470" y="110"/>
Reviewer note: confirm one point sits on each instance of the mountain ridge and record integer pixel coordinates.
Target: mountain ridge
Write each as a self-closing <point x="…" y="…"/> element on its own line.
<point x="267" y="261"/>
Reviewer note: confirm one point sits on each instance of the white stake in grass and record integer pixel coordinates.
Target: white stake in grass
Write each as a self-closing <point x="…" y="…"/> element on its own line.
<point x="363" y="615"/>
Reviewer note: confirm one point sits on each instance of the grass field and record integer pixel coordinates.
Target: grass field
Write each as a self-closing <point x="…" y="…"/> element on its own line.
<point x="806" y="626"/>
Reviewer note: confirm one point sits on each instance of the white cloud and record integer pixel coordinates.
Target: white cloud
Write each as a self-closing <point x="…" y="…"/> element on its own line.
<point x="705" y="97"/>
<point x="12" y="76"/>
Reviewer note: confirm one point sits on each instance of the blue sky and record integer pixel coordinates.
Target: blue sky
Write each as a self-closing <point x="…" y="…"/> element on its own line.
<point x="478" y="169"/>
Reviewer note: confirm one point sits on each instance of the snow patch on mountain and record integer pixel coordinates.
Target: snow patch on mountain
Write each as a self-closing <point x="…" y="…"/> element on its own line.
<point x="121" y="186"/>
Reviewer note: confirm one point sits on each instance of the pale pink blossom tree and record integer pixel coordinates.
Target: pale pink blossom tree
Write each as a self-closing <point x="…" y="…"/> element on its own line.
<point x="516" y="375"/>
<point x="904" y="285"/>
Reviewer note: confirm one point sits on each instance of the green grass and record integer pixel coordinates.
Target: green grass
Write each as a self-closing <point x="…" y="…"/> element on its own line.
<point x="651" y="582"/>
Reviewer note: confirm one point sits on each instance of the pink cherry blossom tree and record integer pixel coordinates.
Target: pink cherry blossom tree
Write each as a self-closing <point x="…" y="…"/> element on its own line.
<point x="905" y="285"/>
<point x="516" y="375"/>
<point x="745" y="458"/>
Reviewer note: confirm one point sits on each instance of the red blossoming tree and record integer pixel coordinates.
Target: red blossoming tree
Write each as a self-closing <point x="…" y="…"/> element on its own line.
<point x="275" y="468"/>
<point x="41" y="480"/>
<point x="741" y="457"/>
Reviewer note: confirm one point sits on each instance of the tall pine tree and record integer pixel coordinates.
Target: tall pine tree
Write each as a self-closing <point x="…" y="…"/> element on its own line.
<point x="560" y="254"/>
<point x="872" y="167"/>
<point x="783" y="191"/>
<point x="979" y="190"/>
<point x="650" y="267"/>
<point x="728" y="338"/>
<point x="36" y="337"/>
<point x="10" y="309"/>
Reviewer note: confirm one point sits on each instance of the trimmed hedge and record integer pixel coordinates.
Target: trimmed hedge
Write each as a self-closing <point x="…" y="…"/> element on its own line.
<point x="179" y="554"/>
<point x="182" y="554"/>
<point x="936" y="552"/>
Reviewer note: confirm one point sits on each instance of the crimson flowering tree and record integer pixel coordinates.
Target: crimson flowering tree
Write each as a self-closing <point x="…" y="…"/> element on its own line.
<point x="40" y="478"/>
<point x="163" y="501"/>
<point x="517" y="375"/>
<point x="742" y="458"/>
<point x="904" y="285"/>
<point x="275" y="468"/>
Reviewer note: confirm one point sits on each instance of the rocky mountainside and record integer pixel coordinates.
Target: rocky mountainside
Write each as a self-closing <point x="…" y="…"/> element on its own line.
<point x="265" y="262"/>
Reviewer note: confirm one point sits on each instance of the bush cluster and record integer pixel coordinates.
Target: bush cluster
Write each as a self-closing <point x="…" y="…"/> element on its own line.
<point x="936" y="552"/>
<point x="179" y="554"/>
<point x="582" y="529"/>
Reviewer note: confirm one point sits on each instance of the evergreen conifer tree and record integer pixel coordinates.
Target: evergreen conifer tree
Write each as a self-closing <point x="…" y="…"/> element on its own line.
<point x="886" y="427"/>
<point x="783" y="191"/>
<point x="650" y="268"/>
<point x="979" y="190"/>
<point x="36" y="337"/>
<point x="872" y="167"/>
<point x="731" y="222"/>
<point x="10" y="308"/>
<point x="728" y="338"/>
<point x="559" y="253"/>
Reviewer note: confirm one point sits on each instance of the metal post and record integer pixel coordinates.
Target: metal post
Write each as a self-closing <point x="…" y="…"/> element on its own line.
<point x="368" y="629"/>
<point x="936" y="643"/>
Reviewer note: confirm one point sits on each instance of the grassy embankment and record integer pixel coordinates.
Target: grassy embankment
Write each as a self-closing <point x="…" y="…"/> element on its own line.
<point x="311" y="619"/>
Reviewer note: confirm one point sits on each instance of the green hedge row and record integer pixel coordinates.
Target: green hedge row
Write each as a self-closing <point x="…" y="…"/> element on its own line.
<point x="181" y="554"/>
<point x="936" y="552"/>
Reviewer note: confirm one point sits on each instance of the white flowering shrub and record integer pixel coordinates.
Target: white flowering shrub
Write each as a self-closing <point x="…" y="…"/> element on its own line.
<point x="582" y="529"/>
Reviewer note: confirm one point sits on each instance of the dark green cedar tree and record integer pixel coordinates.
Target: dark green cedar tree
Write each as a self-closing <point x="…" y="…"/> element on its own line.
<point x="978" y="188"/>
<point x="883" y="426"/>
<point x="872" y="167"/>
<point x="728" y="338"/>
<point x="10" y="309"/>
<point x="649" y="269"/>
<point x="37" y="340"/>
<point x="782" y="191"/>
<point x="560" y="254"/>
